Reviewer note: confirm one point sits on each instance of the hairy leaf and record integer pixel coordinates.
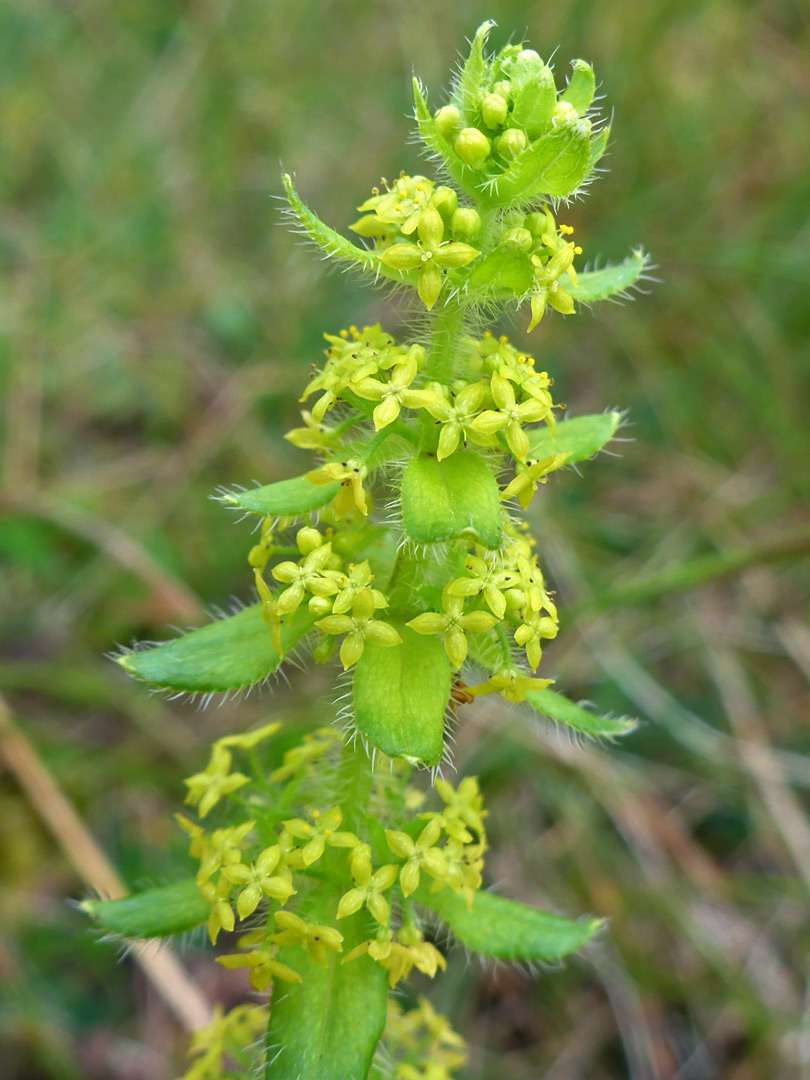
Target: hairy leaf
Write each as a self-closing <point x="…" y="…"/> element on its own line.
<point x="327" y="239"/>
<point x="508" y="930"/>
<point x="581" y="87"/>
<point x="580" y="437"/>
<point x="560" y="708"/>
<point x="455" y="497"/>
<point x="612" y="280"/>
<point x="327" y="1026"/>
<point x="400" y="695"/>
<point x="286" y="498"/>
<point x="155" y="913"/>
<point x="229" y="654"/>
<point x="555" y="164"/>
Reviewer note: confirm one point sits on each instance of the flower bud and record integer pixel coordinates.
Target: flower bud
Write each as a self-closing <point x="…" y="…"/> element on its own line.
<point x="522" y="237"/>
<point x="447" y="120"/>
<point x="320" y="606"/>
<point x="493" y="110"/>
<point x="503" y="88"/>
<point x="323" y="650"/>
<point x="308" y="539"/>
<point x="563" y="113"/>
<point x="510" y="143"/>
<point x="536" y="223"/>
<point x="465" y="223"/>
<point x="445" y="200"/>
<point x="473" y="147"/>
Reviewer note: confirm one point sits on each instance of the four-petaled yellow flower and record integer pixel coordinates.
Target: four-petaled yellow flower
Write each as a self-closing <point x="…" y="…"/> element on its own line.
<point x="429" y="256"/>
<point x="417" y="854"/>
<point x="369" y="891"/>
<point x="206" y="788"/>
<point x="452" y="623"/>
<point x="394" y="394"/>
<point x="510" y="416"/>
<point x="359" y="627"/>
<point x="258" y="880"/>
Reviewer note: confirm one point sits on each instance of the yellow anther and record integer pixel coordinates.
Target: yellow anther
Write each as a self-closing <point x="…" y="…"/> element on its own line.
<point x="577" y="250"/>
<point x="566" y="230"/>
<point x="344" y="333"/>
<point x="316" y="814"/>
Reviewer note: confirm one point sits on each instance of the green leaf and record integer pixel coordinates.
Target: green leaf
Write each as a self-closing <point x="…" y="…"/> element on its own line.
<point x="156" y="913"/>
<point x="580" y="437"/>
<point x="560" y="708"/>
<point x="328" y="240"/>
<point x="327" y="1026"/>
<point x="286" y="498"/>
<point x="507" y="267"/>
<point x="555" y="164"/>
<point x="599" y="143"/>
<point x="230" y="654"/>
<point x="400" y="695"/>
<point x="472" y="73"/>
<point x="581" y="87"/>
<point x="534" y="103"/>
<point x="508" y="930"/>
<point x="442" y="500"/>
<point x="612" y="280"/>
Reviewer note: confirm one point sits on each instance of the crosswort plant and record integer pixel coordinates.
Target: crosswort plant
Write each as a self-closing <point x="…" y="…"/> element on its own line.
<point x="402" y="558"/>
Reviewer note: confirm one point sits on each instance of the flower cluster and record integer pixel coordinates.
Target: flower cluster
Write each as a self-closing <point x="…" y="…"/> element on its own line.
<point x="241" y="872"/>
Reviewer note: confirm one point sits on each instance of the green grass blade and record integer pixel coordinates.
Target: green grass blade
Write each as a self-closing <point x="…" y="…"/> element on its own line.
<point x="560" y="708"/>
<point x="508" y="930"/>
<point x="580" y="437"/>
<point x="155" y="913"/>
<point x="230" y="654"/>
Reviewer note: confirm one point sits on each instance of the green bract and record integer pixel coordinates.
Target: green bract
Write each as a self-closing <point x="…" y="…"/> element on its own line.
<point x="403" y="557"/>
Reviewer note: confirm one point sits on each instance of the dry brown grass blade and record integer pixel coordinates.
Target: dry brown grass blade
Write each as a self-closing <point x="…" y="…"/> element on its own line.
<point x="160" y="966"/>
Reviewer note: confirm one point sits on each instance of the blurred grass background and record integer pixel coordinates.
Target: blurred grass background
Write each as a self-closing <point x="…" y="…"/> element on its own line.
<point x="156" y="324"/>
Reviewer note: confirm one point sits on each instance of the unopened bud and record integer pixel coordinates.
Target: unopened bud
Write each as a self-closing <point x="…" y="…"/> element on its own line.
<point x="466" y="223"/>
<point x="445" y="200"/>
<point x="522" y="237"/>
<point x="323" y="650"/>
<point x="510" y="143"/>
<point x="563" y="113"/>
<point x="503" y="88"/>
<point x="319" y="606"/>
<point x="473" y="147"/>
<point x="447" y="120"/>
<point x="308" y="539"/>
<point x="493" y="110"/>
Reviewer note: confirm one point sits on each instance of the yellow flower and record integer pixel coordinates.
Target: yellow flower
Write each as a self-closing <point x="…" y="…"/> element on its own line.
<point x="417" y="854"/>
<point x="429" y="256"/>
<point x="359" y="627"/>
<point x="216" y="781"/>
<point x="453" y="623"/>
<point x="351" y="474"/>
<point x="528" y="475"/>
<point x="314" y="937"/>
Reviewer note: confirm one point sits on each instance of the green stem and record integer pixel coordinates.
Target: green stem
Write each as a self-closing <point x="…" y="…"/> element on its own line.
<point x="442" y="353"/>
<point x="354" y="780"/>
